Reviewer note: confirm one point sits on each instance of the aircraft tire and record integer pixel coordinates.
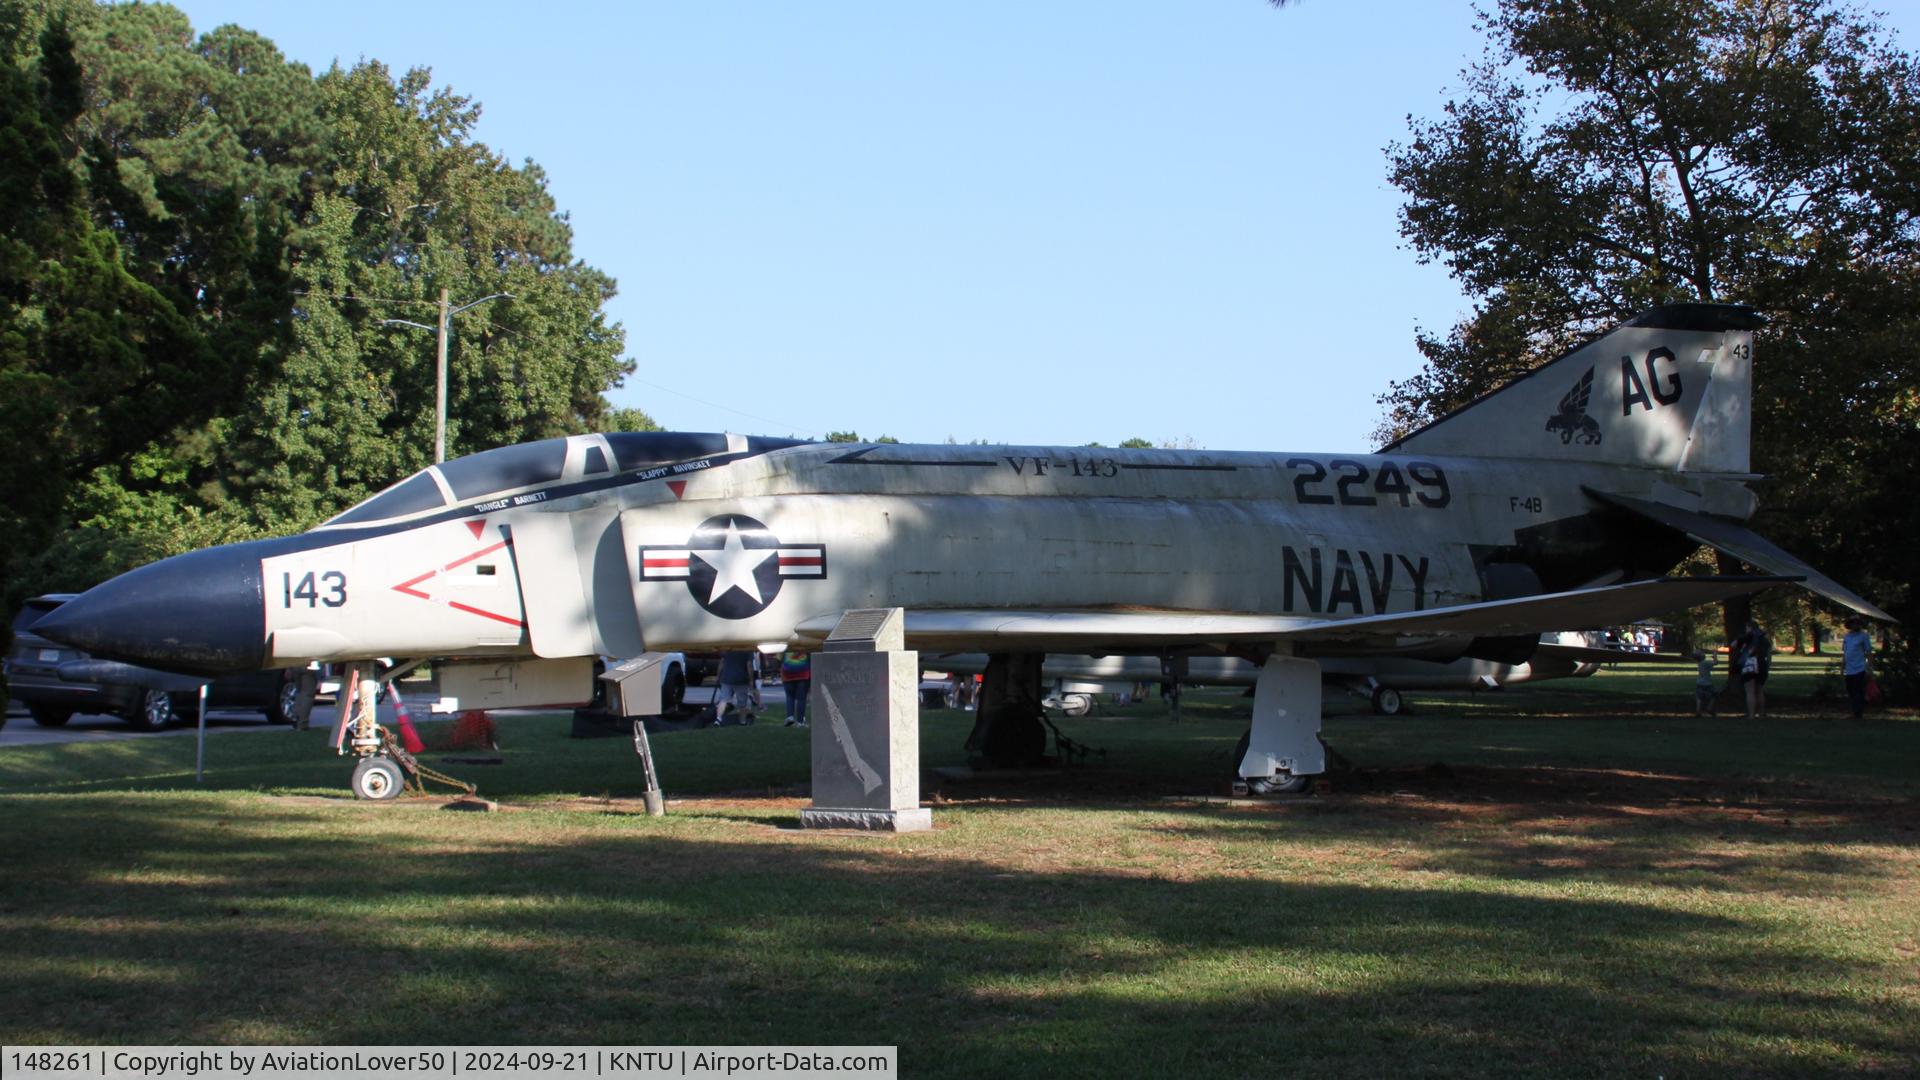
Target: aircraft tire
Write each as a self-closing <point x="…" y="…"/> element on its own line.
<point x="1076" y="704"/>
<point x="1264" y="785"/>
<point x="50" y="716"/>
<point x="377" y="779"/>
<point x="1387" y="701"/>
<point x="673" y="692"/>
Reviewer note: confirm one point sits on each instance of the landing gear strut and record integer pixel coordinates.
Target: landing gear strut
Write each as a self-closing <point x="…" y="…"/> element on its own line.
<point x="1281" y="752"/>
<point x="385" y="767"/>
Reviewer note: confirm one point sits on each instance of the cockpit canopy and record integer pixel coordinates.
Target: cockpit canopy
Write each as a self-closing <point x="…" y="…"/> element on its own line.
<point x="509" y="469"/>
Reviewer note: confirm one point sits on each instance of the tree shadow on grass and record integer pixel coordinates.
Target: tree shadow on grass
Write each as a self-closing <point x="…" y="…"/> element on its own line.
<point x="169" y="920"/>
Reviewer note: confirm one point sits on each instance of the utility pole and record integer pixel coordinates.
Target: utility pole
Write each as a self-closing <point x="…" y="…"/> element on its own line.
<point x="440" y="387"/>
<point x="440" y="364"/>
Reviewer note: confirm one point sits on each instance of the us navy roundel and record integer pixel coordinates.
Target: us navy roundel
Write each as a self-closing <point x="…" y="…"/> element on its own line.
<point x="733" y="565"/>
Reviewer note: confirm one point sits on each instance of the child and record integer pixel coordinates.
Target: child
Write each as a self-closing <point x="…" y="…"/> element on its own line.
<point x="1703" y="695"/>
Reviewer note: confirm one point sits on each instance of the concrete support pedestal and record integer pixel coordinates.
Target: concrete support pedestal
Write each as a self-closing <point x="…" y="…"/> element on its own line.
<point x="1007" y="729"/>
<point x="866" y="728"/>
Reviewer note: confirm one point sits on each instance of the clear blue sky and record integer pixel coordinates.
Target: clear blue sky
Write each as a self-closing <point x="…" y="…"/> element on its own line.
<point x="1046" y="223"/>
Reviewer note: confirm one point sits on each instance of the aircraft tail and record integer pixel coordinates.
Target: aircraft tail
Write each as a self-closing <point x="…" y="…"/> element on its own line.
<point x="1671" y="388"/>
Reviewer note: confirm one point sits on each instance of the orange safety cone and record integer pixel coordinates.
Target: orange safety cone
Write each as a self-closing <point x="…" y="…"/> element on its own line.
<point x="409" y="738"/>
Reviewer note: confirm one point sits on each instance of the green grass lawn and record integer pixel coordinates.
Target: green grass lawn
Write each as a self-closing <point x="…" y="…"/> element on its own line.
<point x="1575" y="879"/>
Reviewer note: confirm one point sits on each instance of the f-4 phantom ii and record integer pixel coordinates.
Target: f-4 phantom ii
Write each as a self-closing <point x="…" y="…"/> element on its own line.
<point x="1556" y="502"/>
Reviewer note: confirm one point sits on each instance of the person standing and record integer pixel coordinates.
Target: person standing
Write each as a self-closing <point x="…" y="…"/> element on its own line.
<point x="1854" y="650"/>
<point x="1754" y="666"/>
<point x="1736" y="664"/>
<point x="1703" y="704"/>
<point x="735" y="687"/>
<point x="796" y="678"/>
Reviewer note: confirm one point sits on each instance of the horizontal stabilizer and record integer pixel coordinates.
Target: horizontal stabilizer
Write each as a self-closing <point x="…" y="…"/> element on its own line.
<point x="1101" y="632"/>
<point x="1744" y="544"/>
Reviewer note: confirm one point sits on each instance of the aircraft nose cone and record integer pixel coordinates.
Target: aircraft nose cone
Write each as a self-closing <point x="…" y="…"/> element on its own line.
<point x="199" y="613"/>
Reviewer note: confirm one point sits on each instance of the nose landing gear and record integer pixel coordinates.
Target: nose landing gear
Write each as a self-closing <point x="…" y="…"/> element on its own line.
<point x="384" y="768"/>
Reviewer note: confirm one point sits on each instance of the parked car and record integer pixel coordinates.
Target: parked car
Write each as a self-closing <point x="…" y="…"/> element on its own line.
<point x="33" y="670"/>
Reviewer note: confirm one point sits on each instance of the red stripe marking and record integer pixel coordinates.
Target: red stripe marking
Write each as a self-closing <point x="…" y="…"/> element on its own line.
<point x="458" y="606"/>
<point x="665" y="562"/>
<point x="802" y="560"/>
<point x="407" y="586"/>
<point x="464" y="560"/>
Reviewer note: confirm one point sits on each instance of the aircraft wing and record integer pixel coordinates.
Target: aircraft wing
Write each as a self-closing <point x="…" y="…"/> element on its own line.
<point x="1742" y="543"/>
<point x="1098" y="632"/>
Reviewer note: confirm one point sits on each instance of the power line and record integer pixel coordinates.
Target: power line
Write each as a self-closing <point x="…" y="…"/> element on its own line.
<point x="523" y="334"/>
<point x="726" y="408"/>
<point x="366" y="299"/>
<point x="709" y="404"/>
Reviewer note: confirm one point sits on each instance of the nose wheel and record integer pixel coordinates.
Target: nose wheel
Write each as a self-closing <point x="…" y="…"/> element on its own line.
<point x="377" y="778"/>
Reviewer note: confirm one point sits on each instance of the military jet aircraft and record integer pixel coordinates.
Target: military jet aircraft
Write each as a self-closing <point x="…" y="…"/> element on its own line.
<point x="1468" y="537"/>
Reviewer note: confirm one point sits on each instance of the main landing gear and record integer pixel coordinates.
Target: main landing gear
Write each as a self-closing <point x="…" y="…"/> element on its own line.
<point x="1386" y="701"/>
<point x="1281" y="753"/>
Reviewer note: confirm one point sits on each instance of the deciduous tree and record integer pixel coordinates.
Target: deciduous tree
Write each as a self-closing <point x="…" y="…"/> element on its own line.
<point x="1605" y="156"/>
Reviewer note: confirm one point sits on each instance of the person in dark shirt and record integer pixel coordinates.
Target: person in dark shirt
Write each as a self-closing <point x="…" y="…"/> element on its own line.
<point x="1755" y="662"/>
<point x="735" y="690"/>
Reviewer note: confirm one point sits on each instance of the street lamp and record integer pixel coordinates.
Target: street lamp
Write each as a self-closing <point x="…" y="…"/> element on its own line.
<point x="440" y="364"/>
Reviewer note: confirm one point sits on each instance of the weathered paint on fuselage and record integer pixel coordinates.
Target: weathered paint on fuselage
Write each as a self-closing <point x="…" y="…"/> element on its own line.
<point x="572" y="568"/>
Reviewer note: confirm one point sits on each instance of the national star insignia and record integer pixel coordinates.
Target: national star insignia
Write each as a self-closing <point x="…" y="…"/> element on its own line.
<point x="733" y="566"/>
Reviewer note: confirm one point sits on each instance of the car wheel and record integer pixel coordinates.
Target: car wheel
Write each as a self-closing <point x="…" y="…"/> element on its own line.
<point x="49" y="716"/>
<point x="286" y="704"/>
<point x="673" y="692"/>
<point x="154" y="713"/>
<point x="1386" y="701"/>
<point x="377" y="779"/>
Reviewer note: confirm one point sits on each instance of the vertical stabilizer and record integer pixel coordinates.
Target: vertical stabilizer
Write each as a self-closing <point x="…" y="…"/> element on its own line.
<point x="1671" y="388"/>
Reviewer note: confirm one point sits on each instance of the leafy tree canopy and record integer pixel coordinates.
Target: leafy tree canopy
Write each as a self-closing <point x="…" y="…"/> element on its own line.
<point x="1605" y="156"/>
<point x="204" y="248"/>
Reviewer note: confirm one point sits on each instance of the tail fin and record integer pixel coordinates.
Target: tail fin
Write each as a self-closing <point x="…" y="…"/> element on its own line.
<point x="1671" y="388"/>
